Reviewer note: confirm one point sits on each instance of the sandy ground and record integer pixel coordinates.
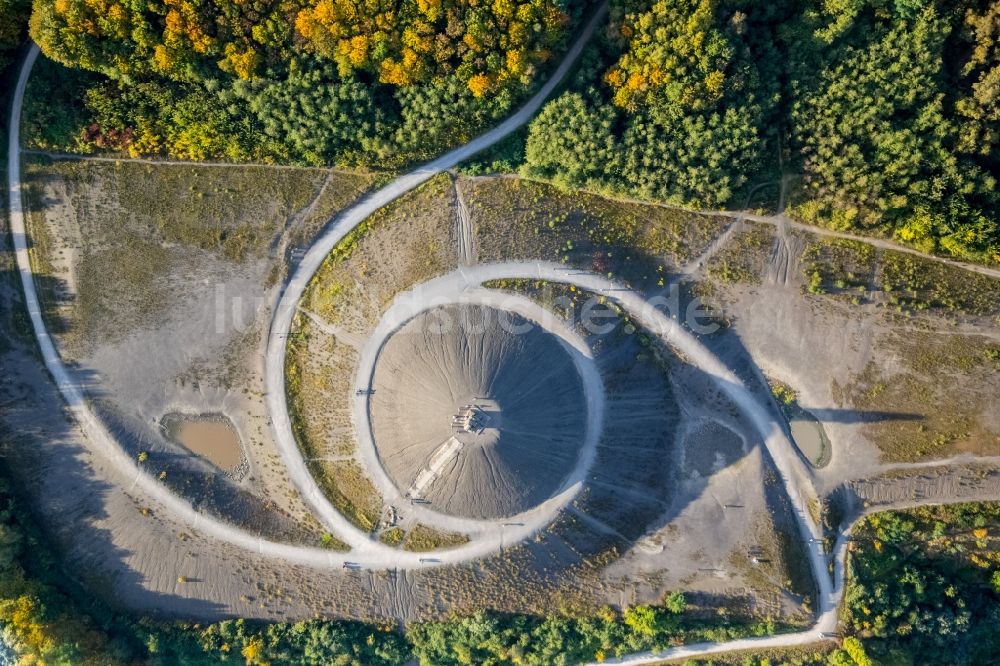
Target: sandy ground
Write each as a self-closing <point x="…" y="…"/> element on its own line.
<point x="198" y="354"/>
<point x="691" y="510"/>
<point x="710" y="469"/>
<point x="719" y="512"/>
<point x="827" y="349"/>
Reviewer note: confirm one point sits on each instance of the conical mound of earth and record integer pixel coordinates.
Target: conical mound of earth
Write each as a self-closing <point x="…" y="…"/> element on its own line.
<point x="477" y="411"/>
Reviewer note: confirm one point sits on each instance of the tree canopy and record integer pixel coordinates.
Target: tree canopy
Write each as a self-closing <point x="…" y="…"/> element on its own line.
<point x="888" y="109"/>
<point x="678" y="101"/>
<point x="923" y="586"/>
<point x="13" y="26"/>
<point x="487" y="46"/>
<point x="311" y="81"/>
<point x="893" y="125"/>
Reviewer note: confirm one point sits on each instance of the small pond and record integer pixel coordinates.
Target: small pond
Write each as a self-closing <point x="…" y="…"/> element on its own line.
<point x="210" y="436"/>
<point x="810" y="436"/>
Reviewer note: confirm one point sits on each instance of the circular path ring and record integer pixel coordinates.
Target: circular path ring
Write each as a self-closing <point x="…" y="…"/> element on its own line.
<point x="453" y="289"/>
<point x="650" y="316"/>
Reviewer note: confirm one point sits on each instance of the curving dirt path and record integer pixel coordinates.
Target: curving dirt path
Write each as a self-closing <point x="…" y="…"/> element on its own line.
<point x="453" y="289"/>
<point x="794" y="475"/>
<point x="73" y="392"/>
<point x="344" y="223"/>
<point x="819" y="631"/>
<point x="796" y="479"/>
<point x="373" y="556"/>
<point x="153" y="161"/>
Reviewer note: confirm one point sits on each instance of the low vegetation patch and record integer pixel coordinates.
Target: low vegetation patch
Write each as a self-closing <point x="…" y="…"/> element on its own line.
<point x="820" y="654"/>
<point x="422" y="538"/>
<point x="392" y="536"/>
<point x="350" y="491"/>
<point x="839" y="267"/>
<point x="317" y="381"/>
<point x="935" y="403"/>
<point x="411" y="240"/>
<point x="234" y="211"/>
<point x="916" y="284"/>
<point x="111" y="238"/>
<point x="743" y="259"/>
<point x="897" y="282"/>
<point x="330" y="542"/>
<point x="640" y="244"/>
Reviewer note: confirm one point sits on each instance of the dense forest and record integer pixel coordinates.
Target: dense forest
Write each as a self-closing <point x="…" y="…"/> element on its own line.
<point x="309" y="81"/>
<point x="886" y="110"/>
<point x="13" y="28"/>
<point x="925" y="586"/>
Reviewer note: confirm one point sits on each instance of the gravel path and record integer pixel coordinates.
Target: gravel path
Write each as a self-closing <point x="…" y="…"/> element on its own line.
<point x="287" y="305"/>
<point x="102" y="440"/>
<point x="373" y="555"/>
<point x="456" y="288"/>
<point x="794" y="475"/>
<point x="796" y="479"/>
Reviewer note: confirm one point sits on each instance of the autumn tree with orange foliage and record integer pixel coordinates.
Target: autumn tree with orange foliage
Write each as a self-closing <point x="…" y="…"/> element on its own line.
<point x="178" y="39"/>
<point x="192" y="78"/>
<point x="676" y="49"/>
<point x="487" y="45"/>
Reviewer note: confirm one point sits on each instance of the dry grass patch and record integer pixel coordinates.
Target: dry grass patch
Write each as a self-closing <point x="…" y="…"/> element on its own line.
<point x="318" y="376"/>
<point x="349" y="490"/>
<point x="841" y="268"/>
<point x="743" y="259"/>
<point x="330" y="542"/>
<point x="411" y="240"/>
<point x="641" y="244"/>
<point x="913" y="284"/>
<point x="319" y="372"/>
<point x="899" y="283"/>
<point x="938" y="403"/>
<point x="805" y="655"/>
<point x="233" y="211"/>
<point x="392" y="536"/>
<point x="111" y="239"/>
<point x="422" y="539"/>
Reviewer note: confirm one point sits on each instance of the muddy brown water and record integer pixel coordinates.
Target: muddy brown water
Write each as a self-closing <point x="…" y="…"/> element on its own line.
<point x="810" y="437"/>
<point x="211" y="438"/>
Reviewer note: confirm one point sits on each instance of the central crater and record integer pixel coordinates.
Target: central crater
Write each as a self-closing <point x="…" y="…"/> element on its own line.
<point x="477" y="411"/>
